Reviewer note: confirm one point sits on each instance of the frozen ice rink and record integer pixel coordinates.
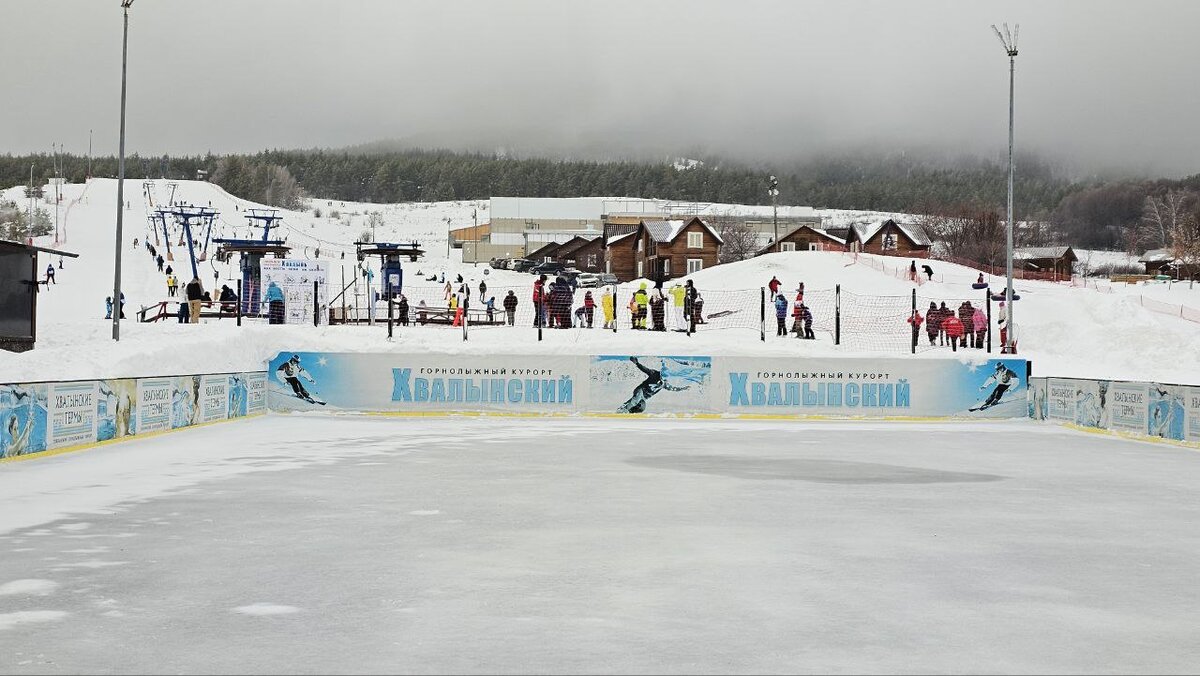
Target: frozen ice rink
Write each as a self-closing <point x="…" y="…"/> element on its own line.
<point x="350" y="544"/>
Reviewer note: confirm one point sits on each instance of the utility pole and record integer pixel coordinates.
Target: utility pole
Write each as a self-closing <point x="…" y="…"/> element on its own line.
<point x="1009" y="40"/>
<point x="447" y="219"/>
<point x="116" y="298"/>
<point x="773" y="191"/>
<point x="89" y="175"/>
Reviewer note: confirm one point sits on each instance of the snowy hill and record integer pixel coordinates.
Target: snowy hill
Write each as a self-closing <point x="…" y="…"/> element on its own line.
<point x="1066" y="331"/>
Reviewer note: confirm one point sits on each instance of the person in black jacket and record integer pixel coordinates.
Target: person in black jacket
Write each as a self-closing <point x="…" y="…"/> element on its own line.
<point x="510" y="307"/>
<point x="195" y="295"/>
<point x="403" y="305"/>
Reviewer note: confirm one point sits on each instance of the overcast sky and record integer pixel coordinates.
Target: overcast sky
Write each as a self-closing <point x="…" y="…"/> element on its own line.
<point x="1099" y="82"/>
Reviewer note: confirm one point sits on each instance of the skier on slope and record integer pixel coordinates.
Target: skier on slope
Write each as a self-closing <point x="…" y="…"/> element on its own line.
<point x="290" y="372"/>
<point x="654" y="383"/>
<point x="1004" y="378"/>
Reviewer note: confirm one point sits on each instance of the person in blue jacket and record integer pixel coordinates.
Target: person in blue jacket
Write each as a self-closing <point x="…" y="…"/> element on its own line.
<point x="781" y="308"/>
<point x="274" y="299"/>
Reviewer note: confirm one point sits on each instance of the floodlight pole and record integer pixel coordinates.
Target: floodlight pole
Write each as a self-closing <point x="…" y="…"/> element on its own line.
<point x="116" y="298"/>
<point x="1010" y="47"/>
<point x="773" y="190"/>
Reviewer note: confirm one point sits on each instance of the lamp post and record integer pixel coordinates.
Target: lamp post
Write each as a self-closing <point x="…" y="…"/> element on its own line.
<point x="1009" y="40"/>
<point x="116" y="298"/>
<point x="29" y="221"/>
<point x="773" y="191"/>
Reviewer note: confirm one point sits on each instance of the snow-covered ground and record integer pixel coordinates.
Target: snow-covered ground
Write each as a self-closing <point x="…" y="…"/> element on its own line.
<point x="354" y="544"/>
<point x="1066" y="331"/>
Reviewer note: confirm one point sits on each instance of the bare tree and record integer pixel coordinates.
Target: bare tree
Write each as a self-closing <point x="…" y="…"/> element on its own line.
<point x="969" y="232"/>
<point x="740" y="241"/>
<point x="1160" y="217"/>
<point x="1185" y="245"/>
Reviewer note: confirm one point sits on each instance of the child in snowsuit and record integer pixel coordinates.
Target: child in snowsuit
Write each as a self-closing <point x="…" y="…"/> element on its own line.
<point x="589" y="308"/>
<point x="781" y="307"/>
<point x="953" y="327"/>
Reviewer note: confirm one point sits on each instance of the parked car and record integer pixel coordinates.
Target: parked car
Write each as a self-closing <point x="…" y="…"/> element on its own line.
<point x="499" y="263"/>
<point x="521" y="264"/>
<point x="548" y="268"/>
<point x="588" y="280"/>
<point x="607" y="279"/>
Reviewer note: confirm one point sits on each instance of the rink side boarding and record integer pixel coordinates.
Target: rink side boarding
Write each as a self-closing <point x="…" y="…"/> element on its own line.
<point x="48" y="418"/>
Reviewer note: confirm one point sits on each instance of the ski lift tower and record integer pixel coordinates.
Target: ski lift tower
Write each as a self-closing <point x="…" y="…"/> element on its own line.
<point x="252" y="252"/>
<point x="389" y="260"/>
<point x="203" y="217"/>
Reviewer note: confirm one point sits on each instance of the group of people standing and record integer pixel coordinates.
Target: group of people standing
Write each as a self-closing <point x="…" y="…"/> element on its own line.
<point x="802" y="317"/>
<point x="967" y="328"/>
<point x="679" y="309"/>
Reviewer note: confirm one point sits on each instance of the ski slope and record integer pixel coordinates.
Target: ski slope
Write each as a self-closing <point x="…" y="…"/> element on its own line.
<point x="1075" y="332"/>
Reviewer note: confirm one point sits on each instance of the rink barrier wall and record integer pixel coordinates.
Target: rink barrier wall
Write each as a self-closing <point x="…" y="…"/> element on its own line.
<point x="1150" y="411"/>
<point x="650" y="385"/>
<point x="39" y="419"/>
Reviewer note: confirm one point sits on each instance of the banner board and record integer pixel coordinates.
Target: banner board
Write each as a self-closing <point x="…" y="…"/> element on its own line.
<point x="37" y="417"/>
<point x="295" y="278"/>
<point x="651" y="384"/>
<point x="1140" y="408"/>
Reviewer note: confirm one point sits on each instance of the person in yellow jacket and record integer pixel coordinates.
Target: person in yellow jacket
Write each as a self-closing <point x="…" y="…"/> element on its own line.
<point x="675" y="320"/>
<point x="641" y="299"/>
<point x="607" y="307"/>
<point x="172" y="285"/>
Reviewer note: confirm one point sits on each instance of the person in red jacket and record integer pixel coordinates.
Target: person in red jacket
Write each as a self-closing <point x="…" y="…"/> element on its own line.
<point x="539" y="301"/>
<point x="774" y="285"/>
<point x="915" y="321"/>
<point x="953" y="327"/>
<point x="589" y="308"/>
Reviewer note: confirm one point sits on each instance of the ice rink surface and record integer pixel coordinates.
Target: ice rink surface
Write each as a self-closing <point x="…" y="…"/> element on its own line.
<point x="314" y="544"/>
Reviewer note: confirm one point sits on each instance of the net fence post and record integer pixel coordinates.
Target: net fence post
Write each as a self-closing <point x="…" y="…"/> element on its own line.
<point x="912" y="319"/>
<point x="837" y="314"/>
<point x="316" y="304"/>
<point x="615" y="305"/>
<point x="987" y="299"/>
<point x="762" y="313"/>
<point x="466" y="310"/>
<point x="388" y="286"/>
<point x="239" y="302"/>
<point x="537" y="314"/>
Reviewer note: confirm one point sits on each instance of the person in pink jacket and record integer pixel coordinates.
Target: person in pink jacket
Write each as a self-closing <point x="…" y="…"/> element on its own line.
<point x="981" y="325"/>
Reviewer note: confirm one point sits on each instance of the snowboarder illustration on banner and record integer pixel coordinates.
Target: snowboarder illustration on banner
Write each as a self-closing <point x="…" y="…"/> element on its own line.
<point x="290" y="372"/>
<point x="1004" y="378"/>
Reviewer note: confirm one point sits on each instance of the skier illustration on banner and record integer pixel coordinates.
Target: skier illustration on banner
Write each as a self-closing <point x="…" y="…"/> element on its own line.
<point x="1004" y="379"/>
<point x="655" y="382"/>
<point x="290" y="372"/>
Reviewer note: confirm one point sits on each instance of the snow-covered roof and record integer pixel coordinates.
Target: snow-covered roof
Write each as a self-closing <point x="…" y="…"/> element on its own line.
<point x="1156" y="256"/>
<point x="556" y="208"/>
<point x="915" y="233"/>
<point x="664" y="231"/>
<point x="1031" y="252"/>
<point x="618" y="238"/>
<point x="667" y="231"/>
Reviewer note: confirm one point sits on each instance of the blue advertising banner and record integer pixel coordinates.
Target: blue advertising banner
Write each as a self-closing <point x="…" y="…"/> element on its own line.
<point x="24" y="419"/>
<point x="394" y="382"/>
<point x="1139" y="408"/>
<point x="38" y="417"/>
<point x="876" y="387"/>
<point x="649" y="384"/>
